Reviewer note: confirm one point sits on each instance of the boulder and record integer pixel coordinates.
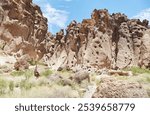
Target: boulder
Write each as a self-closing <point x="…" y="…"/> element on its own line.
<point x="110" y="87"/>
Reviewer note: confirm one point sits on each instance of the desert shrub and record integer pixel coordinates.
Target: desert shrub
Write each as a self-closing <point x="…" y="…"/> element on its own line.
<point x="138" y="70"/>
<point x="3" y="86"/>
<point x="63" y="92"/>
<point x="42" y="81"/>
<point x="17" y="73"/>
<point x="46" y="73"/>
<point x="41" y="63"/>
<point x="24" y="84"/>
<point x="65" y="73"/>
<point x="28" y="73"/>
<point x="11" y="85"/>
<point x="148" y="79"/>
<point x="32" y="62"/>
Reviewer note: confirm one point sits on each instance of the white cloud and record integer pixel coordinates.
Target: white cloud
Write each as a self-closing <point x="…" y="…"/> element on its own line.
<point x="56" y="17"/>
<point x="144" y="14"/>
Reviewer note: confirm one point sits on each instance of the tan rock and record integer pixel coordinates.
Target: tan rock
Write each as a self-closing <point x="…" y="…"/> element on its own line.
<point x="104" y="41"/>
<point x="80" y="76"/>
<point x="21" y="19"/>
<point x="113" y="88"/>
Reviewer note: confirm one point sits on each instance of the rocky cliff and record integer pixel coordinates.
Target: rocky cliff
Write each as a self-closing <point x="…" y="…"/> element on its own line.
<point x="22" y="28"/>
<point x="104" y="41"/>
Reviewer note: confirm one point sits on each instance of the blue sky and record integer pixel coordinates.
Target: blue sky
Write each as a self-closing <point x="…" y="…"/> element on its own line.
<point x="61" y="12"/>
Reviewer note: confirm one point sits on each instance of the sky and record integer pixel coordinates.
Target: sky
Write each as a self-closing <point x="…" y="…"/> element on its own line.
<point x="61" y="12"/>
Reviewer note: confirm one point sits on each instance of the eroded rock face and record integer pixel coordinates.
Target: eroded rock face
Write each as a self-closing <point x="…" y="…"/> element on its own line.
<point x="22" y="28"/>
<point x="145" y="50"/>
<point x="104" y="41"/>
<point x="113" y="88"/>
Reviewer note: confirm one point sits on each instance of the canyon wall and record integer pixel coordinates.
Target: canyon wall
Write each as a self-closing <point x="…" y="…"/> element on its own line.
<point x="104" y="41"/>
<point x="22" y="28"/>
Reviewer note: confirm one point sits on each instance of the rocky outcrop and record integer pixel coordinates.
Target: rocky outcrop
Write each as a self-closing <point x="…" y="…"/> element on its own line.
<point x="145" y="50"/>
<point x="22" y="28"/>
<point x="110" y="87"/>
<point x="104" y="41"/>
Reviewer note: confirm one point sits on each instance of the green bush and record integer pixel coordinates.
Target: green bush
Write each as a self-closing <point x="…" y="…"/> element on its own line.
<point x="137" y="70"/>
<point x="17" y="73"/>
<point x="3" y="86"/>
<point x="24" y="84"/>
<point x="28" y="73"/>
<point x="11" y="86"/>
<point x="32" y="62"/>
<point x="46" y="73"/>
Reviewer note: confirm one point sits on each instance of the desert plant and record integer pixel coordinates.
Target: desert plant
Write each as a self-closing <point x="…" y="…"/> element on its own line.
<point x="28" y="74"/>
<point x="3" y="86"/>
<point x="138" y="70"/>
<point x="42" y="81"/>
<point x="24" y="84"/>
<point x="46" y="73"/>
<point x="32" y="62"/>
<point x="17" y="73"/>
<point x="63" y="92"/>
<point x="11" y="85"/>
<point x="148" y="79"/>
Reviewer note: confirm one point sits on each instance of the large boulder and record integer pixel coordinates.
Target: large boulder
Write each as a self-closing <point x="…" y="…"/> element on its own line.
<point x="110" y="87"/>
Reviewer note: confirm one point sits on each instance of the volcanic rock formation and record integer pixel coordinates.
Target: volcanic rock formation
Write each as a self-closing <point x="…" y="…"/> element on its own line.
<point x="104" y="41"/>
<point x="22" y="28"/>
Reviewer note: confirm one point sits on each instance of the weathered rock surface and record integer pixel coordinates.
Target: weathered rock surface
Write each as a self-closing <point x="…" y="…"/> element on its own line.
<point x="22" y="28"/>
<point x="104" y="41"/>
<point x="21" y="65"/>
<point x="113" y="88"/>
<point x="80" y="76"/>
